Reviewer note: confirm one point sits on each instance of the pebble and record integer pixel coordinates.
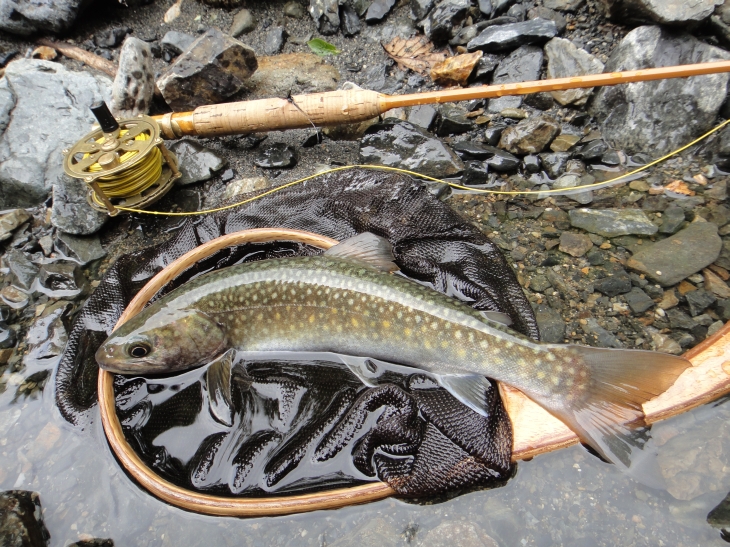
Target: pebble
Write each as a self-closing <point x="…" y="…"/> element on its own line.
<point x="507" y="37"/>
<point x="174" y="42"/>
<point x="245" y="186"/>
<point x="715" y="284"/>
<point x="618" y="283"/>
<point x="638" y="301"/>
<point x="664" y="343"/>
<point x="612" y="222"/>
<point x="243" y="23"/>
<point x="564" y="142"/>
<point x="294" y="10"/>
<point x="423" y="116"/>
<point x="82" y="249"/>
<point x="575" y="244"/>
<point x="10" y="221"/>
<point x="196" y="162"/>
<point x="522" y="65"/>
<point x="550" y="323"/>
<point x="276" y="156"/>
<point x="455" y="70"/>
<point x="444" y="18"/>
<point x="699" y="301"/>
<point x="134" y="84"/>
<point x="571" y="181"/>
<point x="274" y="40"/>
<point x="378" y="10"/>
<point x="603" y="338"/>
<point x="529" y="136"/>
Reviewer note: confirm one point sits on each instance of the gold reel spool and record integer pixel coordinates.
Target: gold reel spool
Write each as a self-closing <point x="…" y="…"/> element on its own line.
<point x="124" y="162"/>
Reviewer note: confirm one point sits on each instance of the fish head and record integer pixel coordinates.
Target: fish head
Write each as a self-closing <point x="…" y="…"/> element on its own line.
<point x="168" y="340"/>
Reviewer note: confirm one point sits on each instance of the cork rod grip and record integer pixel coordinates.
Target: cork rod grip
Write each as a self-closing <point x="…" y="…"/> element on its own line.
<point x="329" y="108"/>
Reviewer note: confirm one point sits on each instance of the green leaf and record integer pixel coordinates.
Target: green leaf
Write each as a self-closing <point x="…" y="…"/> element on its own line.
<point x="322" y="48"/>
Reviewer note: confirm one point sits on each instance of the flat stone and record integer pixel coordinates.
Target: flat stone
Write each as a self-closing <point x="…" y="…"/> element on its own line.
<point x="715" y="284"/>
<point x="21" y="519"/>
<point x="295" y="73"/>
<point x="613" y="285"/>
<point x="604" y="338"/>
<point x="672" y="220"/>
<point x="423" y="116"/>
<point x="277" y="155"/>
<point x="522" y="65"/>
<point x="475" y="173"/>
<point x="699" y="301"/>
<point x="196" y="162"/>
<point x="175" y="42"/>
<point x="671" y="260"/>
<point x="543" y="12"/>
<point x="506" y="37"/>
<point x="81" y="249"/>
<point x="134" y="84"/>
<point x="444" y="20"/>
<point x="398" y="143"/>
<point x="659" y="116"/>
<point x="245" y="186"/>
<point x="486" y="65"/>
<point x="592" y="150"/>
<point x="638" y="300"/>
<point x="575" y="244"/>
<point x="23" y="269"/>
<point x="10" y="221"/>
<point x="243" y="23"/>
<point x="550" y="323"/>
<point x="664" y="344"/>
<point x="612" y="222"/>
<point x="274" y="40"/>
<point x="452" y="120"/>
<point x="564" y="142"/>
<point x="529" y="136"/>
<point x="566" y="60"/>
<point x="666" y="12"/>
<point x="569" y="180"/>
<point x="378" y="10"/>
<point x="669" y="300"/>
<point x="350" y="21"/>
<point x="554" y="164"/>
<point x="211" y="70"/>
<point x="71" y="212"/>
<point x="60" y="279"/>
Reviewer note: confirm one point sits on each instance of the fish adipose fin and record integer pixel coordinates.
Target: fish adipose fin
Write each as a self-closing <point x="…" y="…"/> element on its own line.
<point x="367" y="248"/>
<point x="218" y="385"/>
<point x="607" y="413"/>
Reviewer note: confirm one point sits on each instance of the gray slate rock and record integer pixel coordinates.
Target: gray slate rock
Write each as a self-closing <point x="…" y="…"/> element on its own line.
<point x="196" y="162"/>
<point x="71" y="212"/>
<point x="613" y="285"/>
<point x="522" y="65"/>
<point x="25" y="17"/>
<point x="350" y="21"/>
<point x="496" y="159"/>
<point x="671" y="260"/>
<point x="277" y="155"/>
<point x="666" y="12"/>
<point x="506" y="37"/>
<point x="566" y="60"/>
<point x="422" y="115"/>
<point x="23" y="269"/>
<point x="10" y="221"/>
<point x="134" y="84"/>
<point x="657" y="117"/>
<point x="378" y="10"/>
<point x="570" y="180"/>
<point x="550" y="323"/>
<point x="612" y="222"/>
<point x="699" y="301"/>
<point x="21" y="519"/>
<point x="78" y="248"/>
<point x="575" y="244"/>
<point x="175" y="42"/>
<point x="397" y="143"/>
<point x="444" y="20"/>
<point x="326" y="14"/>
<point x="638" y="300"/>
<point x="546" y="13"/>
<point x="211" y="70"/>
<point x="672" y="220"/>
<point x="529" y="136"/>
<point x="420" y="8"/>
<point x="604" y="338"/>
<point x="243" y="23"/>
<point x="563" y="5"/>
<point x="274" y="40"/>
<point x="554" y="163"/>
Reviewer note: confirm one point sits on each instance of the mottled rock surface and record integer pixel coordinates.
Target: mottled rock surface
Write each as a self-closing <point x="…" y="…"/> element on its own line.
<point x="134" y="84"/>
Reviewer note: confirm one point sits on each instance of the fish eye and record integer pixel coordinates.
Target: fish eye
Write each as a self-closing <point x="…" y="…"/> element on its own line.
<point x="139" y="350"/>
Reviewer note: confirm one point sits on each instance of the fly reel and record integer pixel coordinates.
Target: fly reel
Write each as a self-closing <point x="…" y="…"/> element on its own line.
<point x="124" y="162"/>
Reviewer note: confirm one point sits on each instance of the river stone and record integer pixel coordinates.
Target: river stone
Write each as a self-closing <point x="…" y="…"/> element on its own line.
<point x="81" y="249"/>
<point x="196" y="162"/>
<point x="378" y="10"/>
<point x="522" y="65"/>
<point x="134" y="84"/>
<point x="326" y="14"/>
<point x="444" y="20"/>
<point x="550" y="323"/>
<point x="274" y="40"/>
<point x="495" y="158"/>
<point x="563" y="5"/>
<point x="350" y="21"/>
<point x="603" y="338"/>
<point x="546" y="13"/>
<point x="566" y="60"/>
<point x="451" y="533"/>
<point x="575" y="244"/>
<point x="277" y="155"/>
<point x="666" y="12"/>
<point x="211" y="70"/>
<point x="570" y="180"/>
<point x="638" y="300"/>
<point x="530" y="136"/>
<point x="298" y="73"/>
<point x="506" y="37"/>
<point x="660" y="116"/>
<point x="21" y="519"/>
<point x="22" y="269"/>
<point x="174" y="42"/>
<point x="10" y="221"/>
<point x="25" y="17"/>
<point x="699" y="300"/>
<point x="71" y="212"/>
<point x="671" y="260"/>
<point x="672" y="220"/>
<point x="612" y="222"/>
<point x="243" y="23"/>
<point x="398" y="143"/>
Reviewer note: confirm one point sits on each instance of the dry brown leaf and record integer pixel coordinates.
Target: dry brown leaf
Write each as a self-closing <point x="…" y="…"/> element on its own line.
<point x="415" y="53"/>
<point x="679" y="187"/>
<point x="44" y="52"/>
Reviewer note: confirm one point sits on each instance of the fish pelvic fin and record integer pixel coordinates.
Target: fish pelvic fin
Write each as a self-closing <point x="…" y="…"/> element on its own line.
<point x="368" y="249"/>
<point x="607" y="413"/>
<point x="469" y="389"/>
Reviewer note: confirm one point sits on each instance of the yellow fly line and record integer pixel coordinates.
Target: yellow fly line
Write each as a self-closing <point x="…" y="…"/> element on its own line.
<point x="558" y="191"/>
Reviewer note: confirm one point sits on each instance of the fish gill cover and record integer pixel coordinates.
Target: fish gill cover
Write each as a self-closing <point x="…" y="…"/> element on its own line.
<point x="295" y="428"/>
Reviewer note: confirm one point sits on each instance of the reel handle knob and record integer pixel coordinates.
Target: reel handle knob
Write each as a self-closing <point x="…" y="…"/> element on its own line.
<point x="104" y="116"/>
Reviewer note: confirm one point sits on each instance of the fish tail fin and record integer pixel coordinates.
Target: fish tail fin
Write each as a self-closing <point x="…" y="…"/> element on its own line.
<point x="607" y="414"/>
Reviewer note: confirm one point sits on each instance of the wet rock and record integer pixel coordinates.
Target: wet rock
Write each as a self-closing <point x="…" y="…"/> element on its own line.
<point x="550" y="323"/>
<point x="60" y="279"/>
<point x="455" y="70"/>
<point x="613" y="285"/>
<point x="14" y="297"/>
<point x="378" y="10"/>
<point x="452" y="120"/>
<point x="41" y="94"/>
<point x="475" y="173"/>
<point x="715" y="284"/>
<point x="23" y="269"/>
<point x="564" y="142"/>
<point x="398" y="143"/>
<point x="530" y="136"/>
<point x="111" y="38"/>
<point x="10" y="221"/>
<point x="451" y="533"/>
<point x="699" y="301"/>
<point x="211" y="70"/>
<point x="612" y="222"/>
<point x="8" y="337"/>
<point x="657" y="117"/>
<point x="134" y="84"/>
<point x="294" y="10"/>
<point x="444" y="20"/>
<point x="274" y="40"/>
<point x="312" y="139"/>
<point x="532" y="164"/>
<point x="21" y="519"/>
<point x="420" y="8"/>
<point x="493" y="134"/>
<point x="243" y="23"/>
<point x="423" y="116"/>
<point x="297" y="73"/>
<point x="569" y="180"/>
<point x="667" y="12"/>
<point x="495" y="158"/>
<point x="541" y="101"/>
<point x="350" y="21"/>
<point x="326" y="14"/>
<point x="174" y="42"/>
<point x="81" y="249"/>
<point x="672" y="220"/>
<point x="602" y="337"/>
<point x="46" y="338"/>
<point x="688" y="251"/>
<point x="486" y="66"/>
<point x="554" y="164"/>
<point x="566" y="60"/>
<point x="276" y="156"/>
<point x="522" y="65"/>
<point x="506" y="37"/>
<point x="575" y="244"/>
<point x="71" y="212"/>
<point x="542" y="12"/>
<point x="592" y="150"/>
<point x="196" y="162"/>
<point x="638" y="300"/>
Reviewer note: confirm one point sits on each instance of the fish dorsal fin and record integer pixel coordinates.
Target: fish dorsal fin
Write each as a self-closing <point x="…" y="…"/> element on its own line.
<point x="497" y="317"/>
<point x="367" y="248"/>
<point x="469" y="389"/>
<point x="218" y="381"/>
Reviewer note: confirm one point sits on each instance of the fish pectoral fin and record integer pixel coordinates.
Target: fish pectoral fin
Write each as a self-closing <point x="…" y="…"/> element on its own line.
<point x="497" y="317"/>
<point x="367" y="248"/>
<point x="469" y="389"/>
<point x="218" y="385"/>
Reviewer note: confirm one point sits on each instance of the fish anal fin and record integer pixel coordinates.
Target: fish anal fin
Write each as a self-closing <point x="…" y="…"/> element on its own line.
<point x="368" y="249"/>
<point x="497" y="317"/>
<point x="468" y="389"/>
<point x="218" y="384"/>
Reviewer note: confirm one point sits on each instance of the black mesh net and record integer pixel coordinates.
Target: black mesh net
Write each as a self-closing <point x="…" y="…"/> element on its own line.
<point x="303" y="426"/>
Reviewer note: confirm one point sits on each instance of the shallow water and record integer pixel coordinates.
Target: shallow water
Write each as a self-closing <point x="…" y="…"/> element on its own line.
<point x="565" y="498"/>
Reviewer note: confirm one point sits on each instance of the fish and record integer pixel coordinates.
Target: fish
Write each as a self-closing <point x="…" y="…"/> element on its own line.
<point x="351" y="301"/>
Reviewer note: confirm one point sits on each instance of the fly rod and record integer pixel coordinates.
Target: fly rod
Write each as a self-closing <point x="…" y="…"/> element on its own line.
<point x="357" y="105"/>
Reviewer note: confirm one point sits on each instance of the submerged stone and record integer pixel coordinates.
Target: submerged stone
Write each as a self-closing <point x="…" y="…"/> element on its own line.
<point x="21" y="519"/>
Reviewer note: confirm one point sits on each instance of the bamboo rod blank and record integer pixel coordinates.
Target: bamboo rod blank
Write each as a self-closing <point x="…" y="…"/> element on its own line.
<point x="349" y="106"/>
